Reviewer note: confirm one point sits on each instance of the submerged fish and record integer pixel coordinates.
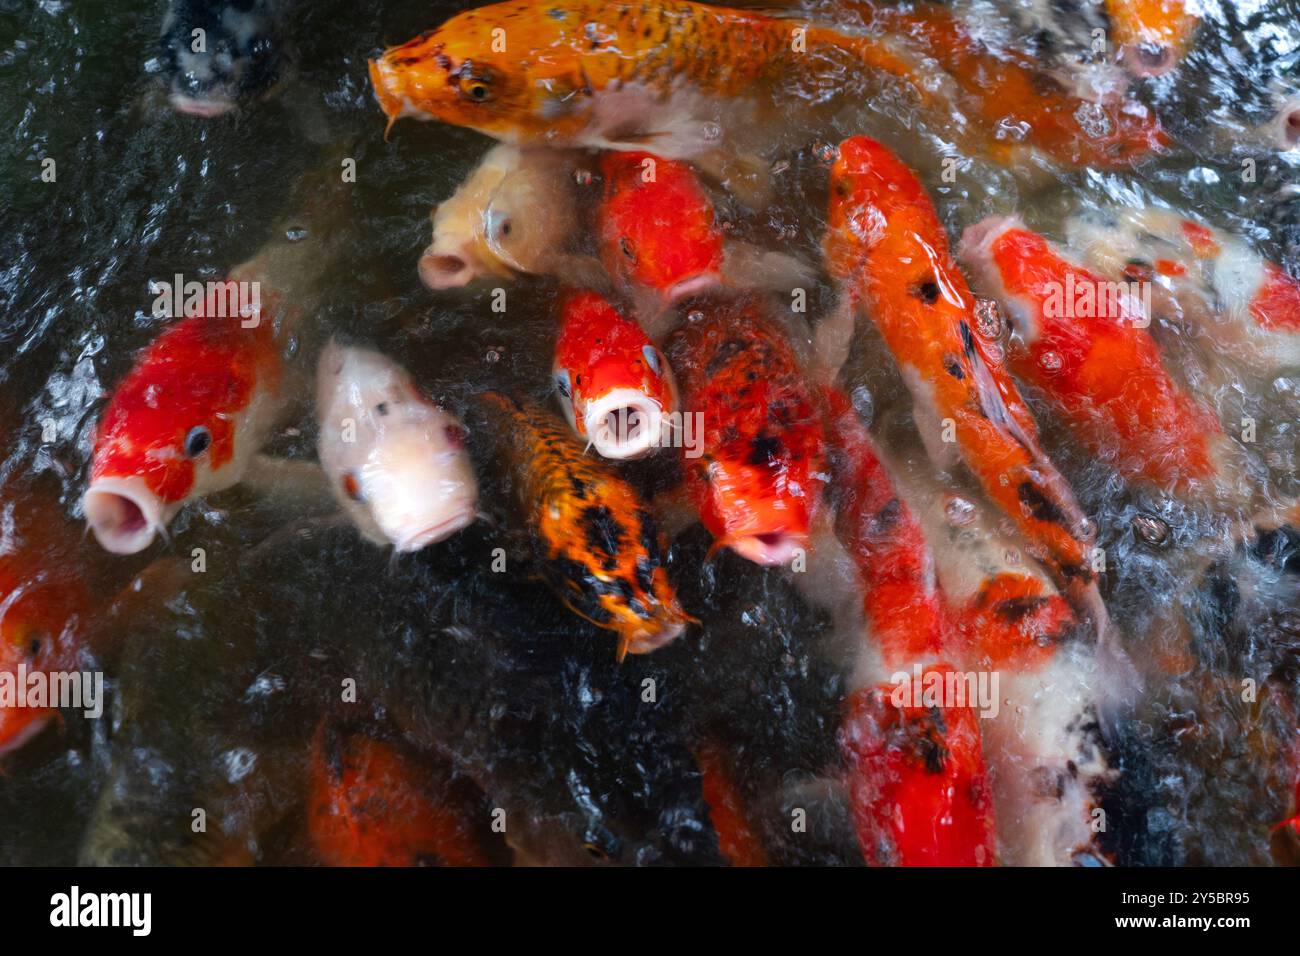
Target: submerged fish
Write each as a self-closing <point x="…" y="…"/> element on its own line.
<point x="738" y="840"/>
<point x="220" y="55"/>
<point x="1083" y="342"/>
<point x="886" y="247"/>
<point x="372" y="803"/>
<point x="1241" y="303"/>
<point x="916" y="774"/>
<point x="660" y="236"/>
<point x="757" y="484"/>
<point x="185" y="422"/>
<point x="396" y="462"/>
<point x="1003" y="88"/>
<point x="45" y="611"/>
<point x="615" y="387"/>
<point x="514" y="213"/>
<point x="597" y="544"/>
<point x="633" y="75"/>
<point x="1152" y="35"/>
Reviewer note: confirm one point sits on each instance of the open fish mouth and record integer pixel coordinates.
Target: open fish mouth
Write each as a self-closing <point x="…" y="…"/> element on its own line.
<point x="207" y="107"/>
<point x="691" y="285"/>
<point x="624" y="423"/>
<point x="444" y="270"/>
<point x="1149" y="59"/>
<point x="770" y="549"/>
<point x="123" y="514"/>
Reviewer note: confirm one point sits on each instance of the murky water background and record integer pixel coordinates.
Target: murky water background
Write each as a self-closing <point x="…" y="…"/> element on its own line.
<point x="218" y="679"/>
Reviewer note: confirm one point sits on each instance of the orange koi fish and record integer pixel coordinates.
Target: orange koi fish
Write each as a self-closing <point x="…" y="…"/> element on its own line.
<point x="887" y="248"/>
<point x="372" y="804"/>
<point x="758" y="481"/>
<point x="737" y="840"/>
<point x="1083" y="342"/>
<point x="1152" y="35"/>
<point x="615" y="387"/>
<point x="1243" y="303"/>
<point x="917" y="780"/>
<point x="609" y="75"/>
<point x="1006" y="88"/>
<point x="596" y="539"/>
<point x="45" y="610"/>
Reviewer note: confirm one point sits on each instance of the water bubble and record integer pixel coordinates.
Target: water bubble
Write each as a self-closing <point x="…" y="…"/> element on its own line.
<point x="295" y="233"/>
<point x="712" y="132"/>
<point x="1151" y="529"/>
<point x="1092" y="119"/>
<point x="863" y="403"/>
<point x="494" y="353"/>
<point x="1011" y="556"/>
<point x="959" y="511"/>
<point x="825" y="153"/>
<point x="1050" y="361"/>
<point x="988" y="320"/>
<point x="582" y="177"/>
<point x="695" y="315"/>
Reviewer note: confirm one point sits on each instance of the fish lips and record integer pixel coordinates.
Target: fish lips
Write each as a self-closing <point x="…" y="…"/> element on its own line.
<point x="624" y="423"/>
<point x="440" y="531"/>
<point x="124" y="514"/>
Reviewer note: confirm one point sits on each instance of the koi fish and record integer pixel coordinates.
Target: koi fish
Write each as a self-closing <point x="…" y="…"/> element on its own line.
<point x="1242" y="303"/>
<point x="1042" y="740"/>
<point x="1152" y="35"/>
<point x="886" y="247"/>
<point x="757" y="484"/>
<point x="610" y="75"/>
<point x="615" y="387"/>
<point x="659" y="235"/>
<point x="396" y="462"/>
<point x="512" y="215"/>
<point x="44" y="612"/>
<point x="185" y="422"/>
<point x="596" y="540"/>
<point x="917" y="779"/>
<point x="1082" y="341"/>
<point x="737" y="840"/>
<point x="374" y="804"/>
<point x="1005" y="87"/>
<point x="220" y="55"/>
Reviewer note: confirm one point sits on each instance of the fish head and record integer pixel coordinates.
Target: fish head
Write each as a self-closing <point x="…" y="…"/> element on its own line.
<point x="760" y="504"/>
<point x="169" y="433"/>
<point x="615" y="386"/>
<point x="1285" y="126"/>
<point x="219" y="57"/>
<point x="396" y="461"/>
<point x="870" y="187"/>
<point x="38" y="613"/>
<point x="1152" y="35"/>
<point x="606" y="560"/>
<point x="658" y="229"/>
<point x="462" y="74"/>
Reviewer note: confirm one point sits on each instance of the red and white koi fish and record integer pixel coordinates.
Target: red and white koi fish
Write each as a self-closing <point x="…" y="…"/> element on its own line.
<point x="1242" y="303"/>
<point x="615" y="386"/>
<point x="917" y="780"/>
<point x="1082" y="341"/>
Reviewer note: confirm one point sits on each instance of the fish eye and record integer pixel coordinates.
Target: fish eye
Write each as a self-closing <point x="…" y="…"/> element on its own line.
<point x="626" y="245"/>
<point x="197" y="441"/>
<point x="475" y="84"/>
<point x="651" y="357"/>
<point x="562" y="382"/>
<point x="505" y="228"/>
<point x="382" y="408"/>
<point x="352" y="487"/>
